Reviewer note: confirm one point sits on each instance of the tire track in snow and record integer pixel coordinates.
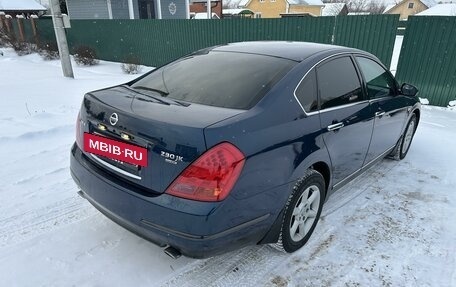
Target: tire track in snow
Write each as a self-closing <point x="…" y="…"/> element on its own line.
<point x="251" y="265"/>
<point x="44" y="175"/>
<point x="42" y="168"/>
<point x="28" y="224"/>
<point x="40" y="134"/>
<point x="339" y="199"/>
<point x="243" y="267"/>
<point x="50" y="195"/>
<point x="37" y="154"/>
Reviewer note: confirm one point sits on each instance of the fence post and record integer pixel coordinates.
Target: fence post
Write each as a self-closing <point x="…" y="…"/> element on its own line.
<point x="8" y="24"/>
<point x="20" y="26"/>
<point x="34" y="31"/>
<point x="2" y="16"/>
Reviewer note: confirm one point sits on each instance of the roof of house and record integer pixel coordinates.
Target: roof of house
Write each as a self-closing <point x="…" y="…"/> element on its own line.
<point x="20" y="5"/>
<point x="427" y="3"/>
<point x="358" y="13"/>
<point x="305" y="2"/>
<point x="440" y="10"/>
<point x="297" y="14"/>
<point x="332" y="9"/>
<point x="388" y="7"/>
<point x="203" y="15"/>
<point x="244" y="3"/>
<point x="236" y="11"/>
<point x="204" y="1"/>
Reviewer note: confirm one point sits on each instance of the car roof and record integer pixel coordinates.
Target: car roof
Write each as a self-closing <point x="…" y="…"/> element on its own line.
<point x="296" y="51"/>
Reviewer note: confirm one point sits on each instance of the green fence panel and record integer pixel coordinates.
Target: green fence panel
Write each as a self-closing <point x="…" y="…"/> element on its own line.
<point x="428" y="58"/>
<point x="28" y="31"/>
<point x="15" y="28"/>
<point x="45" y="30"/>
<point x="157" y="42"/>
<point x="372" y="33"/>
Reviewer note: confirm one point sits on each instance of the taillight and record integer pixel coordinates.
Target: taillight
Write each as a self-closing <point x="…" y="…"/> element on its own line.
<point x="79" y="140"/>
<point x="212" y="176"/>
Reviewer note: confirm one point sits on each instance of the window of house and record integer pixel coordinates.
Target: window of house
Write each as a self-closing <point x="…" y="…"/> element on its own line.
<point x="273" y="0"/>
<point x="410" y="5"/>
<point x="258" y="14"/>
<point x="338" y="83"/>
<point x="261" y="1"/>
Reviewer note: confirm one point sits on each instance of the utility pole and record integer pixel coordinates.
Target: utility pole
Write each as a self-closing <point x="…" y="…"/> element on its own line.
<point x="60" y="36"/>
<point x="209" y="8"/>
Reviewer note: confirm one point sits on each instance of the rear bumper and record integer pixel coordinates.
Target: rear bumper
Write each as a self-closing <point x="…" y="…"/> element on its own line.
<point x="194" y="228"/>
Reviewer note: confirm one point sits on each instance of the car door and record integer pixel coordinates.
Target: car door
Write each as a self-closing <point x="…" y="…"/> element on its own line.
<point x="388" y="107"/>
<point x="345" y="116"/>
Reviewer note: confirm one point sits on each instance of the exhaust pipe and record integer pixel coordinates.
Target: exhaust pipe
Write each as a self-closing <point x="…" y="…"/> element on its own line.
<point x="172" y="252"/>
<point x="81" y="194"/>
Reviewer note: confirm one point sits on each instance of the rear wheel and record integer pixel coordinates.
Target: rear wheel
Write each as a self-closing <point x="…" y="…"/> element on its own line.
<point x="302" y="211"/>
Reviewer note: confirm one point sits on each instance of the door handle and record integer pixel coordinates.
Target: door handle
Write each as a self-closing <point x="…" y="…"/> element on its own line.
<point x="380" y="114"/>
<point x="335" y="127"/>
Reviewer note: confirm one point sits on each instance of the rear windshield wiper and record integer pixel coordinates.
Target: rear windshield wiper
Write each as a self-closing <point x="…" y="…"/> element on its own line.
<point x="152" y="97"/>
<point x="179" y="102"/>
<point x="162" y="93"/>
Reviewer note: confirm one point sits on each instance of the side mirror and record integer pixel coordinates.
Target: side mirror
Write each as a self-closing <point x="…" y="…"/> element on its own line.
<point x="408" y="90"/>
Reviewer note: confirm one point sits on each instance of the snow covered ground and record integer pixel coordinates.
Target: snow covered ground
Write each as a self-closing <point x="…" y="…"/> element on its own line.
<point x="393" y="226"/>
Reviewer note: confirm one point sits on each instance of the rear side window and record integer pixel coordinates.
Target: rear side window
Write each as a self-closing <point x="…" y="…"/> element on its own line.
<point x="307" y="92"/>
<point x="338" y="83"/>
<point x="221" y="79"/>
<point x="378" y="81"/>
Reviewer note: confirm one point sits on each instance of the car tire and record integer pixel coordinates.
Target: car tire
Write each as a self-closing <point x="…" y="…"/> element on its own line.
<point x="403" y="144"/>
<point x="407" y="137"/>
<point x="394" y="154"/>
<point x="301" y="217"/>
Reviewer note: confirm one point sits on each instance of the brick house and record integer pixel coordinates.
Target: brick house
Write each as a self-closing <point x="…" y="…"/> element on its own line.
<point x="200" y="6"/>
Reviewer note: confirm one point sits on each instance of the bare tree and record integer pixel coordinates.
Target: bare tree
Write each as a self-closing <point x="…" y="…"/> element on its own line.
<point x="332" y="10"/>
<point x="357" y="5"/>
<point x="230" y="4"/>
<point x="376" y="7"/>
<point x="371" y="6"/>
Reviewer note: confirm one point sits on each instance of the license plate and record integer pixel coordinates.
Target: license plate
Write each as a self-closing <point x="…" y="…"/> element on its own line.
<point x="115" y="149"/>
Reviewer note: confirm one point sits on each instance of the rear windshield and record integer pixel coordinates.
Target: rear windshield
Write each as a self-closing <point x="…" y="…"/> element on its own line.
<point x="221" y="79"/>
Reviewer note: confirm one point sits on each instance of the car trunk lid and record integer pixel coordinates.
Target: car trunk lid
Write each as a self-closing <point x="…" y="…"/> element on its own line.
<point x="171" y="132"/>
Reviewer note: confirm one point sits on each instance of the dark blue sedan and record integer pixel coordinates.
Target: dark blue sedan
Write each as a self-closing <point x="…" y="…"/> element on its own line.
<point x="238" y="144"/>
